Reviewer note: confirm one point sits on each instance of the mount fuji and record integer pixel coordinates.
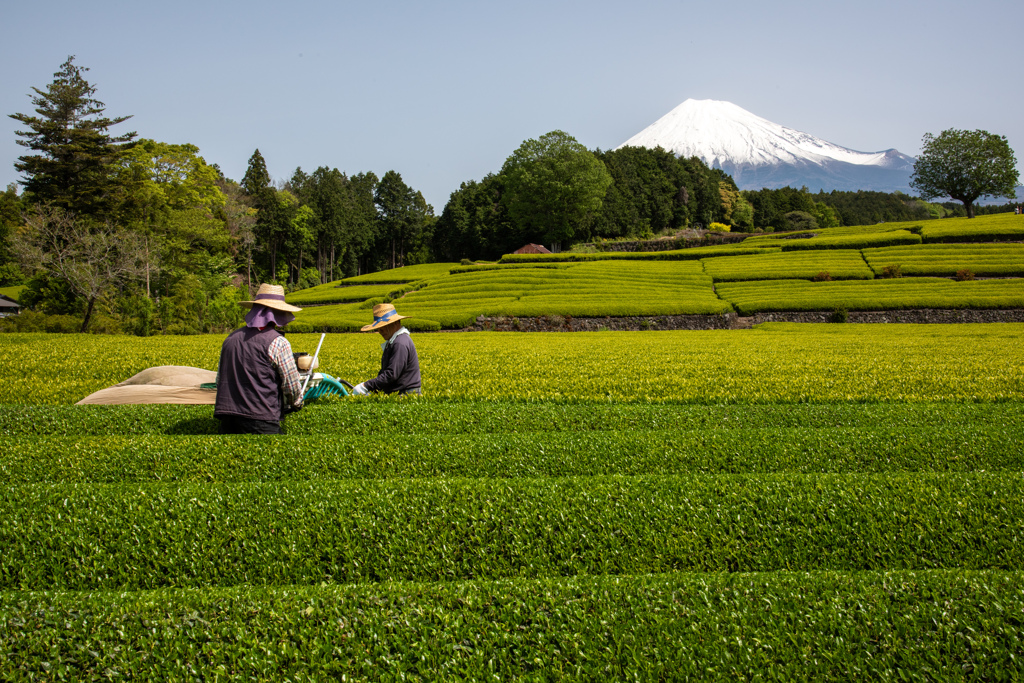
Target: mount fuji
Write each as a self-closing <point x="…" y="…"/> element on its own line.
<point x="760" y="154"/>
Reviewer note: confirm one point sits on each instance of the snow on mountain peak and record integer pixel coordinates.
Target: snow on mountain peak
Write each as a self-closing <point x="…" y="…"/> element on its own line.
<point x="723" y="133"/>
<point x="729" y="137"/>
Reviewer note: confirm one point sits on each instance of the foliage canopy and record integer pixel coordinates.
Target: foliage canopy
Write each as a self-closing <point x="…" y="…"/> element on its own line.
<point x="965" y="165"/>
<point x="554" y="184"/>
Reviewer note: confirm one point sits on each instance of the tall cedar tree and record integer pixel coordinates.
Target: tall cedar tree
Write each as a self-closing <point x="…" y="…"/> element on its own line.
<point x="74" y="164"/>
<point x="257" y="186"/>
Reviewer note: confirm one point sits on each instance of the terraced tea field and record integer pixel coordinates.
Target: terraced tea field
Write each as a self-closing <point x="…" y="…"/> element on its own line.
<point x="790" y="502"/>
<point x="764" y="273"/>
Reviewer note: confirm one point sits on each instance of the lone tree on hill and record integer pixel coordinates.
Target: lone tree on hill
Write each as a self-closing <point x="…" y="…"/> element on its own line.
<point x="965" y="165"/>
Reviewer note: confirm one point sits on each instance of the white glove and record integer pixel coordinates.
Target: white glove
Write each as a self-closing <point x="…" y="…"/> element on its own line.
<point x="359" y="390"/>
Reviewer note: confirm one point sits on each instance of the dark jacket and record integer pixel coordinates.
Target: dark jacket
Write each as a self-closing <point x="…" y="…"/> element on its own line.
<point x="399" y="368"/>
<point x="247" y="383"/>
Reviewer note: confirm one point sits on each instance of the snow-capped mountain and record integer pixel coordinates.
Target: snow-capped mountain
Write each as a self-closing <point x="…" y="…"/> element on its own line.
<point x="758" y="153"/>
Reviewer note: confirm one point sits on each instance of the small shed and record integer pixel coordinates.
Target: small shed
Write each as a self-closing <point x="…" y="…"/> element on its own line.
<point x="8" y="306"/>
<point x="532" y="249"/>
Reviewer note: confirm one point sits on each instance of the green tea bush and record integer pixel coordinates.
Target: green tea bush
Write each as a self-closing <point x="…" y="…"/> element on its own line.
<point x="773" y="363"/>
<point x="872" y="295"/>
<point x="840" y="315"/>
<point x="839" y="264"/>
<point x="334" y="293"/>
<point x="937" y="260"/>
<point x="310" y="452"/>
<point x="671" y="255"/>
<point x="781" y="626"/>
<point x="993" y="228"/>
<point x="370" y="417"/>
<point x="881" y="239"/>
<point x="146" y="536"/>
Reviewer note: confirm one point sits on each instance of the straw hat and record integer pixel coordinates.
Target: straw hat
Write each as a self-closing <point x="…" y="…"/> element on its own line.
<point x="271" y="296"/>
<point x="383" y="314"/>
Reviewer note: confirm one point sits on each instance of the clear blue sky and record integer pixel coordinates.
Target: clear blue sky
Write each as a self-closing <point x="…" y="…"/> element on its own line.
<point x="443" y="92"/>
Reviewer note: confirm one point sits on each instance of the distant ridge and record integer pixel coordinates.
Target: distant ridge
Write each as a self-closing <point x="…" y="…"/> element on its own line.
<point x="758" y="153"/>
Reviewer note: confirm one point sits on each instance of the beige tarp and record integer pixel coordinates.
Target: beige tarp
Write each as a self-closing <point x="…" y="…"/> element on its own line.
<point x="161" y="384"/>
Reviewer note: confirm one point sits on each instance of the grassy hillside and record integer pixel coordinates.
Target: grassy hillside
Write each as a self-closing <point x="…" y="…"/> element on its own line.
<point x="13" y="292"/>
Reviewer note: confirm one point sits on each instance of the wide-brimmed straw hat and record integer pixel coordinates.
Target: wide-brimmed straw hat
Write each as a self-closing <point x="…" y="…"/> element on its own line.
<point x="383" y="315"/>
<point x="271" y="296"/>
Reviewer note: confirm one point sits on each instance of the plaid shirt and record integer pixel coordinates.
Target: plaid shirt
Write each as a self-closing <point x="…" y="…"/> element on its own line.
<point x="284" y="362"/>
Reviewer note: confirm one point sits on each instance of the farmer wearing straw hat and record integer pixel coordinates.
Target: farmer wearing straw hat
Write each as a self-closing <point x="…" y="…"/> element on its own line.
<point x="257" y="381"/>
<point x="399" y="365"/>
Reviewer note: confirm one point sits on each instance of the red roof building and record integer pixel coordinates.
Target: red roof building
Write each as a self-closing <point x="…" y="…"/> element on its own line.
<point x="532" y="249"/>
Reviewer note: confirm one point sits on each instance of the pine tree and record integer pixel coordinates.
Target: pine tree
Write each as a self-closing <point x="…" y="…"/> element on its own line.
<point x="73" y="167"/>
<point x="256" y="179"/>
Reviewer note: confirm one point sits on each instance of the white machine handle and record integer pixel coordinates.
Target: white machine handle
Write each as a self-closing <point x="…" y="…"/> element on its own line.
<point x="312" y="365"/>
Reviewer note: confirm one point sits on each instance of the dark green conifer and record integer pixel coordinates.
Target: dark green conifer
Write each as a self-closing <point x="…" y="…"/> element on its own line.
<point x="73" y="167"/>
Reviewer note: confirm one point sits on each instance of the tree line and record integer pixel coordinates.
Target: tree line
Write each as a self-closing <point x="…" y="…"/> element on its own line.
<point x="114" y="232"/>
<point x="120" y="233"/>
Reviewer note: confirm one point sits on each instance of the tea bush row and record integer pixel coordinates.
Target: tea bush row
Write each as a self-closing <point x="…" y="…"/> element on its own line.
<point x="995" y="228"/>
<point x="839" y="264"/>
<point x="211" y="458"/>
<point x="333" y="293"/>
<point x="424" y="271"/>
<point x="390" y="418"/>
<point x="670" y="255"/>
<point x="145" y="536"/>
<point x="984" y="260"/>
<point x="873" y="295"/>
<point x="773" y="363"/>
<point x="784" y="626"/>
<point x="836" y="238"/>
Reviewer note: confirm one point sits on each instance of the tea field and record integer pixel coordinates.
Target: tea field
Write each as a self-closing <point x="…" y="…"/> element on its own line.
<point x="899" y="266"/>
<point x="788" y="502"/>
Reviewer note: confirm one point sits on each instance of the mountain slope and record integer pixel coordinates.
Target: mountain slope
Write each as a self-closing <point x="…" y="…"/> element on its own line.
<point x="758" y="153"/>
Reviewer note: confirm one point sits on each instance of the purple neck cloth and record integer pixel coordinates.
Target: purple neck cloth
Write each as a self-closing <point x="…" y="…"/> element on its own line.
<point x="261" y="316"/>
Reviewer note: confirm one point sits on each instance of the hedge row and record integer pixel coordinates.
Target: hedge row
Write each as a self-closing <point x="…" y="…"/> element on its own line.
<point x="858" y="241"/>
<point x="696" y="302"/>
<point x="482" y="267"/>
<point x="984" y="260"/>
<point x="1004" y="227"/>
<point x="839" y="264"/>
<point x="389" y="418"/>
<point x="672" y="255"/>
<point x="871" y="295"/>
<point x="932" y="625"/>
<point x="424" y="271"/>
<point x="963" y="448"/>
<point x="144" y="536"/>
<point x="333" y="293"/>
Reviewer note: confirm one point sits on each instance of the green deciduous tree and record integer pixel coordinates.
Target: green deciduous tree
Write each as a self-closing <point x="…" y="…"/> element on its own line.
<point x="75" y="156"/>
<point x="239" y="218"/>
<point x="475" y="223"/>
<point x="553" y="186"/>
<point x="168" y="194"/>
<point x="965" y="165"/>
